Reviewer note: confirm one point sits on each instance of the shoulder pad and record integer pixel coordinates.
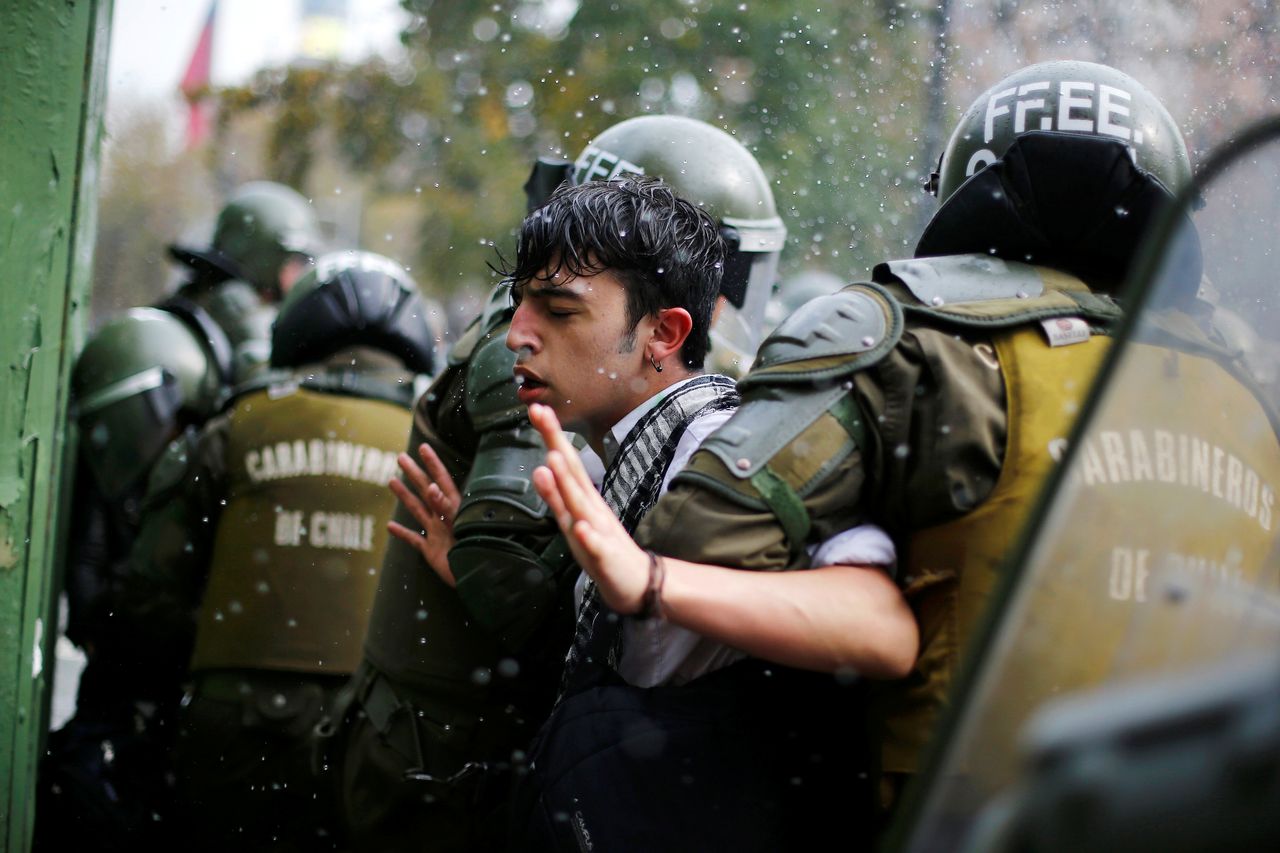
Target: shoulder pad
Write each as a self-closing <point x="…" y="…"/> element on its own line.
<point x="491" y="387"/>
<point x="829" y="337"/>
<point x="497" y="311"/>
<point x="249" y="358"/>
<point x="766" y="423"/>
<point x="273" y="379"/>
<point x="965" y="278"/>
<point x="352" y="383"/>
<point x="986" y="292"/>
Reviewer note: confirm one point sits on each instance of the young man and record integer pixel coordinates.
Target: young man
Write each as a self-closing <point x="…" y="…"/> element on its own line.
<point x="614" y="284"/>
<point x="457" y="678"/>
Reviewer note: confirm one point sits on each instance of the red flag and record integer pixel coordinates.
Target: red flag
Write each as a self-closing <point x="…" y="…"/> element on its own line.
<point x="195" y="82"/>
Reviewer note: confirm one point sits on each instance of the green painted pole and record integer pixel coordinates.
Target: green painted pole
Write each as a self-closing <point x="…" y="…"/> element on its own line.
<point x="52" y="92"/>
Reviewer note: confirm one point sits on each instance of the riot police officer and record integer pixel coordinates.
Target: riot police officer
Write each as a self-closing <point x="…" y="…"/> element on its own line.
<point x="274" y="519"/>
<point x="142" y="379"/>
<point x="455" y="681"/>
<point x="930" y="400"/>
<point x="264" y="239"/>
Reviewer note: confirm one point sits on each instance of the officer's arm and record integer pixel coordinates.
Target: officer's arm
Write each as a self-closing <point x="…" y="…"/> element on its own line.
<point x="828" y="619"/>
<point x="88" y="562"/>
<point x="168" y="564"/>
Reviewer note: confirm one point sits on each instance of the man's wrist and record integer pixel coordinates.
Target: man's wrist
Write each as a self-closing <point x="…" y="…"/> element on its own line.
<point x="651" y="603"/>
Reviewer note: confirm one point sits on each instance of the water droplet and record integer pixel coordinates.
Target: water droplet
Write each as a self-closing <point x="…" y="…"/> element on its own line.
<point x="508" y="668"/>
<point x="901" y="451"/>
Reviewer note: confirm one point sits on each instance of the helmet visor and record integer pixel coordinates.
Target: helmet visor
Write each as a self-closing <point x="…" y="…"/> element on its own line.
<point x="738" y="330"/>
<point x="120" y="439"/>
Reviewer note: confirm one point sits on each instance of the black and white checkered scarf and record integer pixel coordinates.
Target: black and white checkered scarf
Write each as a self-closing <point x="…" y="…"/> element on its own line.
<point x="632" y="485"/>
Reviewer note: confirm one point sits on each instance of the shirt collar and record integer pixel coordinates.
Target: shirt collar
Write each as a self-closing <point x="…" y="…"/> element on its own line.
<point x="613" y="439"/>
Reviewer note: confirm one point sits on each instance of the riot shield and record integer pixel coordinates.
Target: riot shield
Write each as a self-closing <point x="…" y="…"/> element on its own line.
<point x="1153" y="551"/>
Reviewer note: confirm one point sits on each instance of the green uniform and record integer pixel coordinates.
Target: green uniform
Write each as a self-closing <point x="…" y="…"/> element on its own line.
<point x="283" y="502"/>
<point x="244" y="318"/>
<point x="455" y="681"/>
<point x="905" y="409"/>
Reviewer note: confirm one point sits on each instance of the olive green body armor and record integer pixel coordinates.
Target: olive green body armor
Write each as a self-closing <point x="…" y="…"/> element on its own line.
<point x="299" y="545"/>
<point x="1045" y="334"/>
<point x="424" y="635"/>
<point x="804" y="426"/>
<point x="1203" y="469"/>
<point x="949" y="571"/>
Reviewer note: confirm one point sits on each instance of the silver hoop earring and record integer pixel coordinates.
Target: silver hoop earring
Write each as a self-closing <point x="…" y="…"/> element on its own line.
<point x="656" y="366"/>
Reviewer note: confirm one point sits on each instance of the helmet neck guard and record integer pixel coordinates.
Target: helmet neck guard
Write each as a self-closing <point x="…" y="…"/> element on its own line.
<point x="1074" y="203"/>
<point x="378" y="313"/>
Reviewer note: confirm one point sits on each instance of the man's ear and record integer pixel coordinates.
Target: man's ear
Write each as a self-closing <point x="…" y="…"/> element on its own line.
<point x="669" y="333"/>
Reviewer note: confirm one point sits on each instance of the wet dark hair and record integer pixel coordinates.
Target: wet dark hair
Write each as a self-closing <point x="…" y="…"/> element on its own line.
<point x="667" y="252"/>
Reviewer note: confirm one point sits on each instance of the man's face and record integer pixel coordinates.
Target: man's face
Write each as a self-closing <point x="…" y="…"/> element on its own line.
<point x="291" y="270"/>
<point x="574" y="351"/>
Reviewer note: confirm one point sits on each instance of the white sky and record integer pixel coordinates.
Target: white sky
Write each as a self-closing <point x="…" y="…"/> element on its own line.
<point x="152" y="40"/>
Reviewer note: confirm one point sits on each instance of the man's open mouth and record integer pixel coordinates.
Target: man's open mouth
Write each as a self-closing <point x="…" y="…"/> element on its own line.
<point x="529" y="386"/>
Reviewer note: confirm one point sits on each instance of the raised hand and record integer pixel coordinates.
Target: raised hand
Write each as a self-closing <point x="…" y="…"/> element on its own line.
<point x="599" y="542"/>
<point x="432" y="499"/>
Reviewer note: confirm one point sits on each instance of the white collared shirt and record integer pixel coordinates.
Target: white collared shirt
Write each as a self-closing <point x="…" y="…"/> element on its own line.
<point x="656" y="652"/>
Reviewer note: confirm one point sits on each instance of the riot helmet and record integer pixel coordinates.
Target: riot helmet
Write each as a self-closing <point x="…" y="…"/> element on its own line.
<point x="708" y="167"/>
<point x="140" y="378"/>
<point x="1062" y="163"/>
<point x="262" y="227"/>
<point x="357" y="299"/>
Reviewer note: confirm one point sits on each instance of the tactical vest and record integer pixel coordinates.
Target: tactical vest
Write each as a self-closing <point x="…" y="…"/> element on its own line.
<point x="1203" y="473"/>
<point x="1157" y="544"/>
<point x="298" y="547"/>
<point x="799" y="423"/>
<point x="425" y="636"/>
<point x="948" y="572"/>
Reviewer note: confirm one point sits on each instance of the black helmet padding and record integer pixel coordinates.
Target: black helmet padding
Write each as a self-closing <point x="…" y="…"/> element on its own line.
<point x="356" y="308"/>
<point x="1071" y="202"/>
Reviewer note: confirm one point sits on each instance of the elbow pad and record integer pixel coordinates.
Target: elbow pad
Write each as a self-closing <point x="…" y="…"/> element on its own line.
<point x="505" y="586"/>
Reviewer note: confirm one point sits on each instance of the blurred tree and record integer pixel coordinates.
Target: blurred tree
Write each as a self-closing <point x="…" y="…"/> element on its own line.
<point x="829" y="99"/>
<point x="150" y="196"/>
<point x="846" y="105"/>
